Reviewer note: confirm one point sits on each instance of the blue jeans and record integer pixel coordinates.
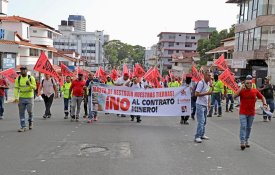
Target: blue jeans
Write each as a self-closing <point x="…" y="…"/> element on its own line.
<point x="245" y="127"/>
<point x="193" y="106"/>
<point x="66" y="105"/>
<point x="270" y="103"/>
<point x="23" y="105"/>
<point x="1" y="106"/>
<point x="201" y="112"/>
<point x="92" y="113"/>
<point x="229" y="97"/>
<point x="214" y="97"/>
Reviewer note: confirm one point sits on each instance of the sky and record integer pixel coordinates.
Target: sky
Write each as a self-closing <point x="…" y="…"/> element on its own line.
<point x="136" y="22"/>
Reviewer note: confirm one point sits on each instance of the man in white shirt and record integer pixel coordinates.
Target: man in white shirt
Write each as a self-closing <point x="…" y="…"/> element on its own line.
<point x="135" y="84"/>
<point x="123" y="80"/>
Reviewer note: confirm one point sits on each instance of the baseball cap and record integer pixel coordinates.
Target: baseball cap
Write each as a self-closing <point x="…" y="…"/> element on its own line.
<point x="23" y="67"/>
<point x="126" y="74"/>
<point x="249" y="77"/>
<point x="188" y="75"/>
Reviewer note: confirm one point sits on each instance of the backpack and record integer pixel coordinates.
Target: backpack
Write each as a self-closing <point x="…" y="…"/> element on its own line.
<point x="43" y="82"/>
<point x="19" y="78"/>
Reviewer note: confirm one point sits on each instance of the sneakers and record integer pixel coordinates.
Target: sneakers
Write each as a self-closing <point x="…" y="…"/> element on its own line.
<point x="205" y="137"/>
<point x="90" y="121"/>
<point x="219" y="116"/>
<point x="22" y="130"/>
<point x="1" y="117"/>
<point x="66" y="117"/>
<point x="209" y="115"/>
<point x="181" y="121"/>
<point x="186" y="122"/>
<point x="49" y="116"/>
<point x="44" y="116"/>
<point x="226" y="110"/>
<point x="95" y="118"/>
<point x="247" y="145"/>
<point x="198" y="140"/>
<point x="30" y="126"/>
<point x="243" y="146"/>
<point x="84" y="116"/>
<point x="193" y="117"/>
<point x="215" y="113"/>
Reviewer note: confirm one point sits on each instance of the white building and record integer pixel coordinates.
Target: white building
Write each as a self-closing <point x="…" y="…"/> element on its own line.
<point x="88" y="44"/>
<point x="22" y="40"/>
<point x="78" y="21"/>
<point x="150" y="56"/>
<point x="4" y="7"/>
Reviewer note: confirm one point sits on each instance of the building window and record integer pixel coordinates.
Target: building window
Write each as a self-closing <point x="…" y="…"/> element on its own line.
<point x="236" y="45"/>
<point x="193" y="37"/>
<point x="257" y="38"/>
<point x="170" y="52"/>
<point x="187" y="37"/>
<point x="250" y="9"/>
<point x="241" y="16"/>
<point x="255" y="9"/>
<point x="176" y="64"/>
<point x="34" y="52"/>
<point x="245" y="10"/>
<point x="177" y="51"/>
<point x="91" y="44"/>
<point x="73" y="44"/>
<point x="271" y="7"/>
<point x="34" y="31"/>
<point x="178" y="43"/>
<point x="245" y="40"/>
<point x="171" y="44"/>
<point x="27" y="32"/>
<point x="262" y="7"/>
<point x="241" y="42"/>
<point x="268" y="34"/>
<point x="170" y="59"/>
<point x="188" y="45"/>
<point x="50" y="54"/>
<point x="50" y="34"/>
<point x="250" y="39"/>
<point x="171" y="36"/>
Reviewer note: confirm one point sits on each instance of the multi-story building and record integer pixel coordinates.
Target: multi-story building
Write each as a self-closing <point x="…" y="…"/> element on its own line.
<point x="22" y="40"/>
<point x="255" y="38"/>
<point x="88" y="44"/>
<point x="150" y="59"/>
<point x="78" y="21"/>
<point x="179" y="42"/>
<point x="4" y="7"/>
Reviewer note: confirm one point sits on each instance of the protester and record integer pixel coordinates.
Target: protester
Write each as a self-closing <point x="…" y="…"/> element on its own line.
<point x="248" y="98"/>
<point x="24" y="93"/>
<point x="229" y="97"/>
<point x="85" y="98"/>
<point x="109" y="81"/>
<point x="188" y="84"/>
<point x="267" y="91"/>
<point x="48" y="87"/>
<point x="173" y="83"/>
<point x="203" y="91"/>
<point x="123" y="81"/>
<point x="134" y="85"/>
<point x="3" y="86"/>
<point x="217" y="95"/>
<point x="66" y="95"/>
<point x="77" y="89"/>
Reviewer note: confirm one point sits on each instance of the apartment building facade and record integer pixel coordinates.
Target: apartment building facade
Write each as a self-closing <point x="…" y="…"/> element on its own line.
<point x="255" y="37"/>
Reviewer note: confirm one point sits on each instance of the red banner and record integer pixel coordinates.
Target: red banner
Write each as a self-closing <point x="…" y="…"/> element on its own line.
<point x="9" y="74"/>
<point x="152" y="77"/>
<point x="65" y="71"/>
<point x="139" y="71"/>
<point x="228" y="80"/>
<point x="196" y="76"/>
<point x="43" y="65"/>
<point x="221" y="63"/>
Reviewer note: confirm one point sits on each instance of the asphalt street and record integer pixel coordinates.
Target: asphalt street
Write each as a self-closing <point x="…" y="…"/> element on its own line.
<point x="117" y="146"/>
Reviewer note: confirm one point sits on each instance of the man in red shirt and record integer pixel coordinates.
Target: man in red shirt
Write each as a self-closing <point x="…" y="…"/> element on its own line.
<point x="248" y="98"/>
<point x="3" y="86"/>
<point x="78" y="88"/>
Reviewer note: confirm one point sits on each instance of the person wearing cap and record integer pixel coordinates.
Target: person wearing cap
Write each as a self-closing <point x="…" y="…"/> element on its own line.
<point x="267" y="91"/>
<point x="123" y="81"/>
<point x="24" y="93"/>
<point x="77" y="90"/>
<point x="249" y="77"/>
<point x="109" y="81"/>
<point x="248" y="98"/>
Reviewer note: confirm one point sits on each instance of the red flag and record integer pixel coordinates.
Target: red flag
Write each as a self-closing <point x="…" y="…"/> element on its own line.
<point x="102" y="74"/>
<point x="196" y="76"/>
<point x="139" y="71"/>
<point x="9" y="74"/>
<point x="228" y="79"/>
<point x="65" y="71"/>
<point x="221" y="63"/>
<point x="148" y="72"/>
<point x="81" y="71"/>
<point x="171" y="74"/>
<point x="114" y="74"/>
<point x="43" y="65"/>
<point x="152" y="77"/>
<point x="125" y="69"/>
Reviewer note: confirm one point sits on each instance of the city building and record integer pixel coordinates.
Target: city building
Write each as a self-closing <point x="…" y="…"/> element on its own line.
<point x="151" y="57"/>
<point x="88" y="44"/>
<point x="4" y="7"/>
<point x="78" y="21"/>
<point x="255" y="38"/>
<point x="22" y="40"/>
<point x="171" y="43"/>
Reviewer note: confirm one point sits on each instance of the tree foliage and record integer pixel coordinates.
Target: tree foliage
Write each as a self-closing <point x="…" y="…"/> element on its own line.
<point x="205" y="45"/>
<point x="118" y="53"/>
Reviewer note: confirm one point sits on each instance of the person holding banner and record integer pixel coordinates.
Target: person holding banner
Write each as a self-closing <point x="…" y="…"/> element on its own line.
<point x="77" y="90"/>
<point x="248" y="97"/>
<point x="135" y="84"/>
<point x="218" y="93"/>
<point x="123" y="81"/>
<point x="3" y="86"/>
<point x="203" y="91"/>
<point x="85" y="98"/>
<point x="24" y="93"/>
<point x="187" y="84"/>
<point x="66" y="95"/>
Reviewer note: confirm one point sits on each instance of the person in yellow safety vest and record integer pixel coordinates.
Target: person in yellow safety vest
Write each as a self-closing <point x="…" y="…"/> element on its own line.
<point x="229" y="97"/>
<point x="109" y="81"/>
<point x="218" y="94"/>
<point x="24" y="93"/>
<point x="173" y="83"/>
<point x="65" y="89"/>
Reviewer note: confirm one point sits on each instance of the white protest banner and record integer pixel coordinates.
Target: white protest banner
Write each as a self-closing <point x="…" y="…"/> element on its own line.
<point x="145" y="102"/>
